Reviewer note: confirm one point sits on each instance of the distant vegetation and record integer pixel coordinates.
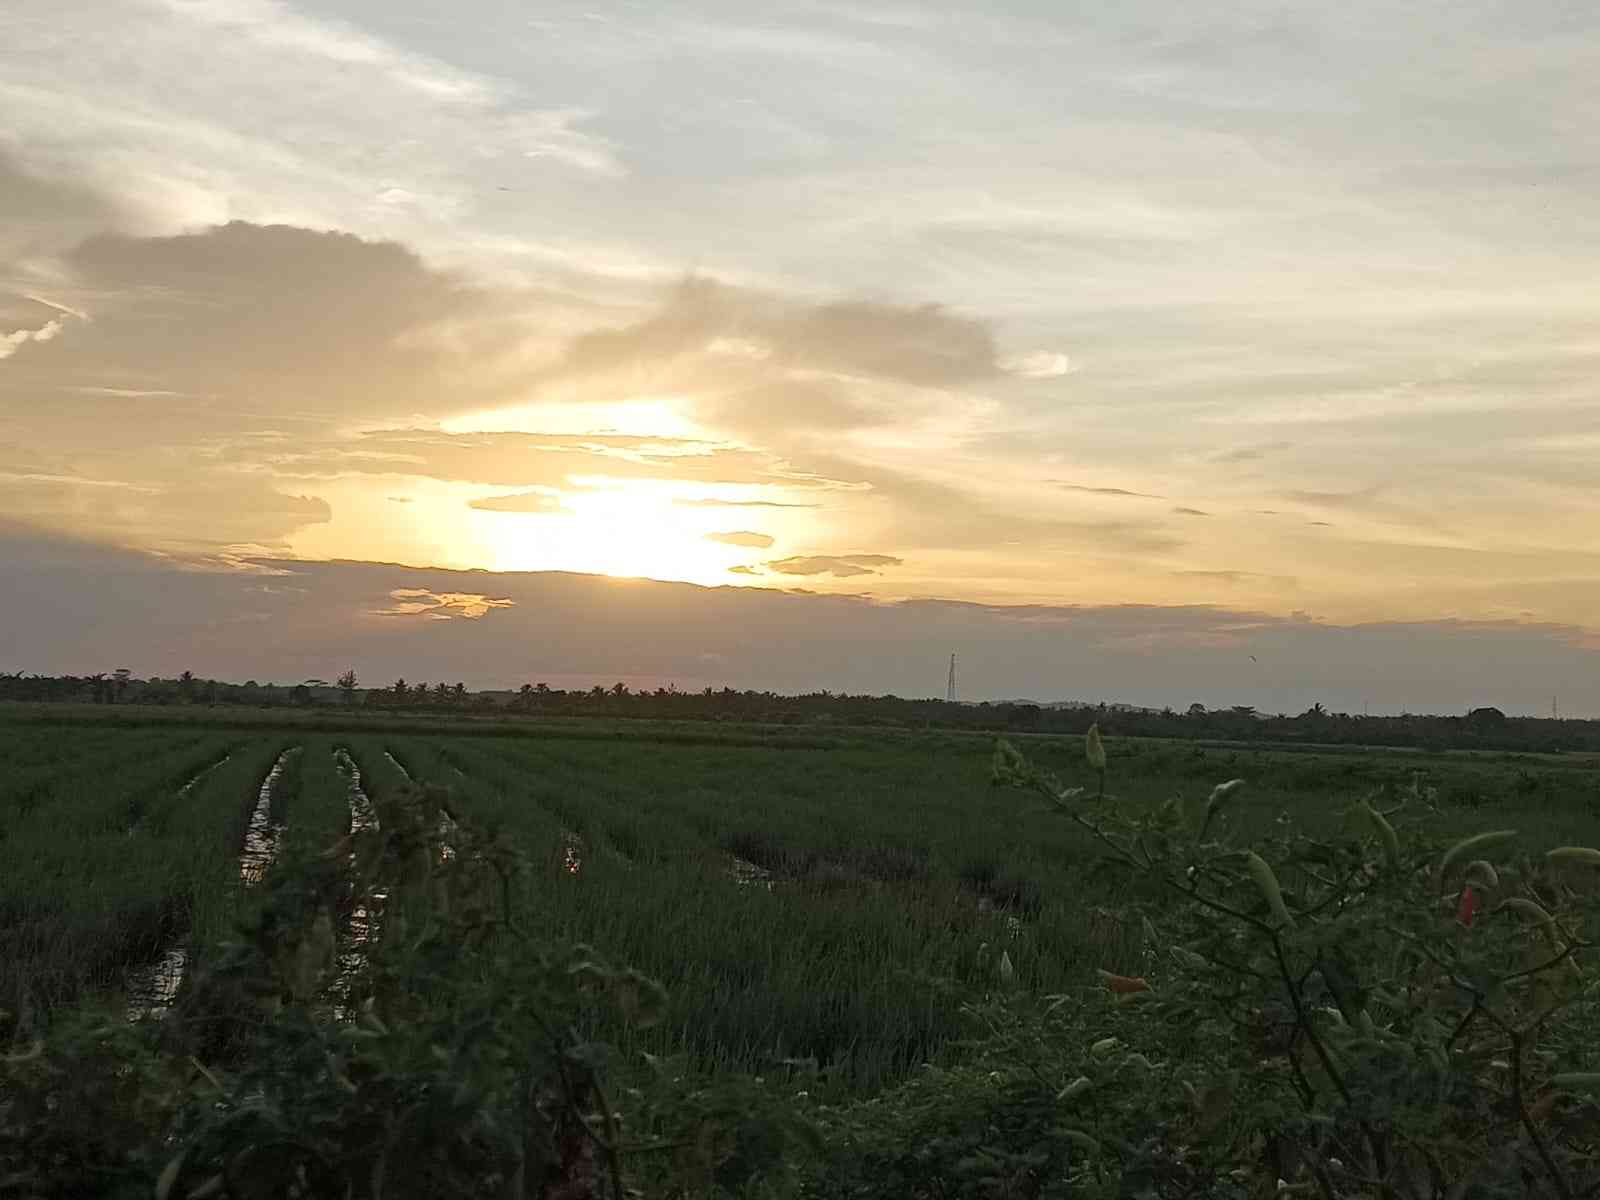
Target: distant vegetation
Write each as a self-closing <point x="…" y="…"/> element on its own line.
<point x="1484" y="728"/>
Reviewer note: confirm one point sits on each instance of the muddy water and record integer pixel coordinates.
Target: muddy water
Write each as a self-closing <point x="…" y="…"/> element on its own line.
<point x="1013" y="922"/>
<point x="746" y="874"/>
<point x="152" y="989"/>
<point x="362" y="926"/>
<point x="261" y="837"/>
<point x="189" y="787"/>
<point x="572" y="854"/>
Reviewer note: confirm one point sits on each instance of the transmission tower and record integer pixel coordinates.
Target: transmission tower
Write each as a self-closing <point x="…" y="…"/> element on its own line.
<point x="950" y="690"/>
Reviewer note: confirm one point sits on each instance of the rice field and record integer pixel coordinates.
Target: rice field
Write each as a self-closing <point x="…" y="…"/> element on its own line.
<point x="835" y="901"/>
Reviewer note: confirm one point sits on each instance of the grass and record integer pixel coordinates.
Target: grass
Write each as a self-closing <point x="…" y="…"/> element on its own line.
<point x="898" y="872"/>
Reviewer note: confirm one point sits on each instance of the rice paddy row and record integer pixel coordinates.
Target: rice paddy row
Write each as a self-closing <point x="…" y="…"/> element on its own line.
<point x="838" y="904"/>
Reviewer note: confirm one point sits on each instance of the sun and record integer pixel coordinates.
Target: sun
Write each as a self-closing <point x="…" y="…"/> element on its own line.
<point x="627" y="529"/>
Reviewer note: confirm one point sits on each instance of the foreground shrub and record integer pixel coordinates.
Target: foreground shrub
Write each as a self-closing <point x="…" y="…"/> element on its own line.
<point x="443" y="1057"/>
<point x="1366" y="1015"/>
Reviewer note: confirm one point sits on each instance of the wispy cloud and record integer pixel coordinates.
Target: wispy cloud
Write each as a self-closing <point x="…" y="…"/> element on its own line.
<point x="11" y="342"/>
<point x="841" y="565"/>
<point x="758" y="541"/>
<point x="1250" y="453"/>
<point x="1039" y="364"/>
<point x="421" y="602"/>
<point x="1105" y="491"/>
<point x="713" y="503"/>
<point x="521" y="502"/>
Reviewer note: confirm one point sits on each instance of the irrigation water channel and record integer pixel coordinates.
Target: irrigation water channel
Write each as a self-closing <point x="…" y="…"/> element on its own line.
<point x="152" y="989"/>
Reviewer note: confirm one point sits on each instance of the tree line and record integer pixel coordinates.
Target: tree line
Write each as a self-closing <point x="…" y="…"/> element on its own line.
<point x="1482" y="728"/>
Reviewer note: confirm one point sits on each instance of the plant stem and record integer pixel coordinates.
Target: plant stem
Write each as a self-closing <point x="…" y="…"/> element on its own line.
<point x="1556" y="1176"/>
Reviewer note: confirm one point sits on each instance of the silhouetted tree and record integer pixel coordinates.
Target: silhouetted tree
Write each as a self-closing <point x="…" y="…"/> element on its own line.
<point x="347" y="685"/>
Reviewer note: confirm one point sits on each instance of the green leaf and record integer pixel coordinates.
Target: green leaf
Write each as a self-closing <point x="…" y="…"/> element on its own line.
<point x="1267" y="885"/>
<point x="168" y="1178"/>
<point x="1081" y="1140"/>
<point x="1476" y="842"/>
<point x="1385" y="832"/>
<point x="1094" y="749"/>
<point x="1576" y="854"/>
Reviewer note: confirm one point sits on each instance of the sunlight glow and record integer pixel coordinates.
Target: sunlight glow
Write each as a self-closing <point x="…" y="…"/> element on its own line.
<point x="627" y="529"/>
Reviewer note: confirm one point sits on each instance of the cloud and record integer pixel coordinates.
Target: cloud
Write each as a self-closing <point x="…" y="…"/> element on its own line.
<point x="841" y="566"/>
<point x="525" y="459"/>
<point x="1235" y="577"/>
<point x="1357" y="499"/>
<point x="210" y="512"/>
<point x="1250" y="453"/>
<point x="42" y="213"/>
<point x="743" y="570"/>
<point x="1104" y="491"/>
<point x="78" y="607"/>
<point x="11" y="342"/>
<point x="924" y="345"/>
<point x="1190" y="512"/>
<point x="1040" y="364"/>
<point x="758" y="541"/>
<point x="420" y="602"/>
<point x="521" y="502"/>
<point x="715" y="503"/>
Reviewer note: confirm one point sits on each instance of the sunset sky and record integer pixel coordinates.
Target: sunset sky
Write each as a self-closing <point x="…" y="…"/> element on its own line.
<point x="1106" y="345"/>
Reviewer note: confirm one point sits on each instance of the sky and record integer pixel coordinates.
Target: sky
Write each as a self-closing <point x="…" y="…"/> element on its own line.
<point x="1105" y="346"/>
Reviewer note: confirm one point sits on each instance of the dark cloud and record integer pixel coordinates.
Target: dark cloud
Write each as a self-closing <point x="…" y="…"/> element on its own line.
<point x="41" y="214"/>
<point x="757" y="541"/>
<point x="1104" y="491"/>
<point x="713" y="503"/>
<point x="74" y="606"/>
<point x="787" y="405"/>
<point x="199" y="515"/>
<point x="842" y="566"/>
<point x="1190" y="512"/>
<point x="923" y="345"/>
<point x="272" y="320"/>
<point x="520" y="502"/>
